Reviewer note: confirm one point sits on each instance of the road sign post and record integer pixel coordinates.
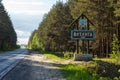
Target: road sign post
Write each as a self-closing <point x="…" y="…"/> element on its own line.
<point x="84" y="34"/>
<point x="82" y="22"/>
<point x="88" y="40"/>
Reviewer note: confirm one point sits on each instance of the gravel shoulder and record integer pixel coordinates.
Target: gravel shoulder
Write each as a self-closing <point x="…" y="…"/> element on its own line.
<point x="35" y="67"/>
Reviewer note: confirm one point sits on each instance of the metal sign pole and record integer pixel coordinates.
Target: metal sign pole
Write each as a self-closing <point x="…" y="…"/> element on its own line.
<point x="77" y="46"/>
<point x="83" y="44"/>
<point x="83" y="22"/>
<point x="88" y="40"/>
<point x="77" y="42"/>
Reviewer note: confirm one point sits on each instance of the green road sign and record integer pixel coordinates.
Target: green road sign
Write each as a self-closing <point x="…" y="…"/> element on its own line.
<point x="83" y="34"/>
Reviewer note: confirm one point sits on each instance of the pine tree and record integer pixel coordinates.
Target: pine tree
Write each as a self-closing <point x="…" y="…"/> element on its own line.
<point x="8" y="35"/>
<point x="116" y="49"/>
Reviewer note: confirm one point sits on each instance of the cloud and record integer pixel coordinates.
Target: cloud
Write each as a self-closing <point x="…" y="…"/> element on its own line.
<point x="26" y="15"/>
<point x="25" y="7"/>
<point x="23" y="3"/>
<point x="23" y="36"/>
<point x="21" y="33"/>
<point x="25" y="22"/>
<point x="29" y="12"/>
<point x="22" y="41"/>
<point x="29" y="7"/>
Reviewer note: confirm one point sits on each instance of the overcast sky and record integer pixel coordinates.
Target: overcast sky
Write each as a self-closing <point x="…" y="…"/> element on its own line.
<point x="26" y="15"/>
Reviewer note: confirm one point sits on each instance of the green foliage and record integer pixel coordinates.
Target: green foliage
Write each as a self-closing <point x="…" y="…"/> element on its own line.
<point x="76" y="72"/>
<point x="115" y="44"/>
<point x="98" y="70"/>
<point x="53" y="33"/>
<point x="79" y="72"/>
<point x="8" y="36"/>
<point x="17" y="47"/>
<point x="35" y="43"/>
<point x="117" y="8"/>
<point x="53" y="57"/>
<point x="5" y="46"/>
<point x="68" y="55"/>
<point x="116" y="78"/>
<point x="102" y="78"/>
<point x="115" y="49"/>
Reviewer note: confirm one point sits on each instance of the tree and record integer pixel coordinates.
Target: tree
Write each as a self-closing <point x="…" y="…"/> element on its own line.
<point x="35" y="43"/>
<point x="117" y="15"/>
<point x="54" y="30"/>
<point x="8" y="36"/>
<point x="116" y="49"/>
<point x="115" y="45"/>
<point x="117" y="8"/>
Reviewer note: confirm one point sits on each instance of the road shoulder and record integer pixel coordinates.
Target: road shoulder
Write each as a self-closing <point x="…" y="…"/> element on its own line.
<point x="35" y="67"/>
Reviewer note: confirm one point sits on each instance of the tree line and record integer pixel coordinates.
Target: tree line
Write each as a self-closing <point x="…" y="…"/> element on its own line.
<point x="8" y="35"/>
<point x="53" y="33"/>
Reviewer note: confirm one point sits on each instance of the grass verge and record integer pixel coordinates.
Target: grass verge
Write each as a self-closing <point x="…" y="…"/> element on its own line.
<point x="105" y="60"/>
<point x="85" y="71"/>
<point x="76" y="72"/>
<point x="54" y="56"/>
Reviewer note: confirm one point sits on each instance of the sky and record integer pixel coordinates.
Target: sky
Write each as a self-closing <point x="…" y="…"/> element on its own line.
<point x="26" y="15"/>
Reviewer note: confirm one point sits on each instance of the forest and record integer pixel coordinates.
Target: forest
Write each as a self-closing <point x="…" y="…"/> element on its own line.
<point x="8" y="37"/>
<point x="53" y="33"/>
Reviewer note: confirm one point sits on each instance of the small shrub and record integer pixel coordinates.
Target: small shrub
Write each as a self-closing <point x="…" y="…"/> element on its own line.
<point x="116" y="78"/>
<point x="115" y="50"/>
<point x="102" y="78"/>
<point x="116" y="58"/>
<point x="106" y="69"/>
<point x="76" y="72"/>
<point x="68" y="55"/>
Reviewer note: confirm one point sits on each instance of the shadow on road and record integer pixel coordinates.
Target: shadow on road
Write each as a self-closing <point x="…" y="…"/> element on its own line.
<point x="34" y="69"/>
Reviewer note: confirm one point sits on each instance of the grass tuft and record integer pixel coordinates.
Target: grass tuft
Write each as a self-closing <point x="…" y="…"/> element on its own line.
<point x="83" y="71"/>
<point x="54" y="56"/>
<point x="76" y="72"/>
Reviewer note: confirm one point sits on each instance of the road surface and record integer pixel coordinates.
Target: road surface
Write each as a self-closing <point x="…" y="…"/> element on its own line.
<point x="35" y="66"/>
<point x="8" y="60"/>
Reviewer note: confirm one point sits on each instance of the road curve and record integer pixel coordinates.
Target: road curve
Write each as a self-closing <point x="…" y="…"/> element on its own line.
<point x="8" y="60"/>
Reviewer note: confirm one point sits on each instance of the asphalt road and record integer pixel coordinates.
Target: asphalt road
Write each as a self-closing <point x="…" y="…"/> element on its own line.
<point x="9" y="60"/>
<point x="35" y="66"/>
